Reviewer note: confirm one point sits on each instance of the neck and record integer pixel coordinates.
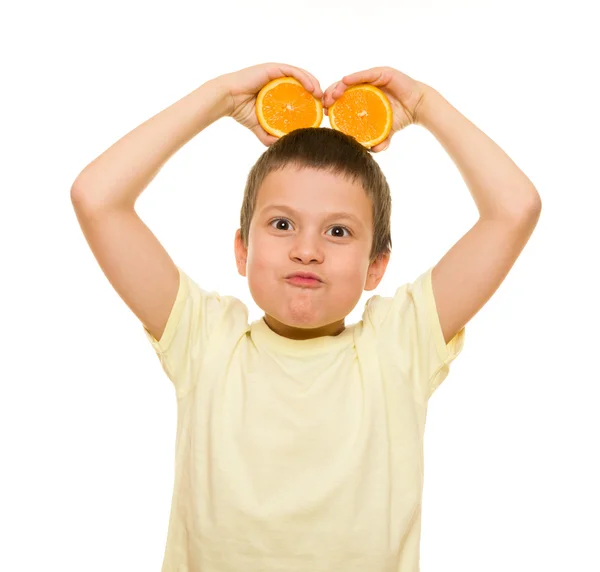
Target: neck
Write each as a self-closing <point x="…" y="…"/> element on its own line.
<point x="293" y="333"/>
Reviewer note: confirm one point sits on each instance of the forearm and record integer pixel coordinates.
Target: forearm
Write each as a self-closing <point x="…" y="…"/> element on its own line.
<point x="119" y="175"/>
<point x="498" y="187"/>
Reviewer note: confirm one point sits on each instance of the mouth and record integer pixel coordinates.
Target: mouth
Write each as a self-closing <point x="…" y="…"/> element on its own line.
<point x="304" y="279"/>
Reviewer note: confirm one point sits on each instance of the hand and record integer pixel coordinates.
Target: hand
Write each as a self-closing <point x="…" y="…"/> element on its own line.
<point x="243" y="86"/>
<point x="405" y="94"/>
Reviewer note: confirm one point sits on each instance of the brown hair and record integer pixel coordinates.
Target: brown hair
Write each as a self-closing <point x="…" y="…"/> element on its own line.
<point x="333" y="151"/>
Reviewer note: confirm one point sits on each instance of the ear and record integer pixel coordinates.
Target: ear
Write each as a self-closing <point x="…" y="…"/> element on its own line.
<point x="376" y="271"/>
<point x="241" y="253"/>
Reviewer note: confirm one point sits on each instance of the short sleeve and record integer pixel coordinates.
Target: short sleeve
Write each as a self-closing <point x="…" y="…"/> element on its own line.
<point x="197" y="316"/>
<point x="409" y="322"/>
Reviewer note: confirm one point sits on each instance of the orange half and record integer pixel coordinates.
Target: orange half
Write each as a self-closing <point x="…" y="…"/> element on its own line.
<point x="364" y="112"/>
<point x="284" y="104"/>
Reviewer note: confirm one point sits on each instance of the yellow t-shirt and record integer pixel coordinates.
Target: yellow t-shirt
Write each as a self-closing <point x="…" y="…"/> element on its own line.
<point x="300" y="455"/>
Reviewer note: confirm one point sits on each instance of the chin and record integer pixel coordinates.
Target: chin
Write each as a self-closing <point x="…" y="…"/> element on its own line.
<point x="303" y="323"/>
<point x="298" y="309"/>
<point x="297" y="319"/>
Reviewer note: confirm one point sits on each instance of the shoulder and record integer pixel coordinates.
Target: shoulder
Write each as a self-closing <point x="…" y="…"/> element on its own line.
<point x="404" y="301"/>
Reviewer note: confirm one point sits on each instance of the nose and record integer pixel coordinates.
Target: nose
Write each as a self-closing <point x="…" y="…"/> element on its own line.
<point x="306" y="248"/>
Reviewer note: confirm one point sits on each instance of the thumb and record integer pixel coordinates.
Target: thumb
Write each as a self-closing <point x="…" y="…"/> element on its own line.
<point x="265" y="138"/>
<point x="381" y="147"/>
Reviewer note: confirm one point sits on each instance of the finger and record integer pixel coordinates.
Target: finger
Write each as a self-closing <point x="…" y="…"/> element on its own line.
<point x="375" y="76"/>
<point x="327" y="94"/>
<point x="303" y="77"/>
<point x="268" y="140"/>
<point x="334" y="92"/>
<point x="264" y="137"/>
<point x="318" y="93"/>
<point x="381" y="147"/>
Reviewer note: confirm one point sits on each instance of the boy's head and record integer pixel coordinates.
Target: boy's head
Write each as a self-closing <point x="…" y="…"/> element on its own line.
<point x="292" y="221"/>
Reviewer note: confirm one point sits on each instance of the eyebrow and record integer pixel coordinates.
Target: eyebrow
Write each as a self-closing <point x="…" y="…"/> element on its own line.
<point x="335" y="215"/>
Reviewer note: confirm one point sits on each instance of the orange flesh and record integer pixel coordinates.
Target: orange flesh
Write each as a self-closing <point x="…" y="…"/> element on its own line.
<point x="361" y="113"/>
<point x="289" y="106"/>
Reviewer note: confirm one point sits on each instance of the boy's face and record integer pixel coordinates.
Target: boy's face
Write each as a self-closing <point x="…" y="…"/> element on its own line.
<point x="295" y="228"/>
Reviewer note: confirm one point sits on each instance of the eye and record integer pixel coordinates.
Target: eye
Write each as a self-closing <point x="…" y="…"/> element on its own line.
<point x="280" y="221"/>
<point x="342" y="229"/>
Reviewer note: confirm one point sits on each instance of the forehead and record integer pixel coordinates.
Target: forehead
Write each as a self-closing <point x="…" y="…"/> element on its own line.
<point x="313" y="191"/>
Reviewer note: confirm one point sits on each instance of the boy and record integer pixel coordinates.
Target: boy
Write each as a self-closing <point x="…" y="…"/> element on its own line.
<point x="300" y="439"/>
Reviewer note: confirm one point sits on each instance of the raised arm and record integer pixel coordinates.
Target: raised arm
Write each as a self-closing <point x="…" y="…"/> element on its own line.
<point x="508" y="203"/>
<point x="105" y="192"/>
<point x="104" y="196"/>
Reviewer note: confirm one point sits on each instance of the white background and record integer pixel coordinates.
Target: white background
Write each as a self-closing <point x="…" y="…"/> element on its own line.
<point x="87" y="415"/>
